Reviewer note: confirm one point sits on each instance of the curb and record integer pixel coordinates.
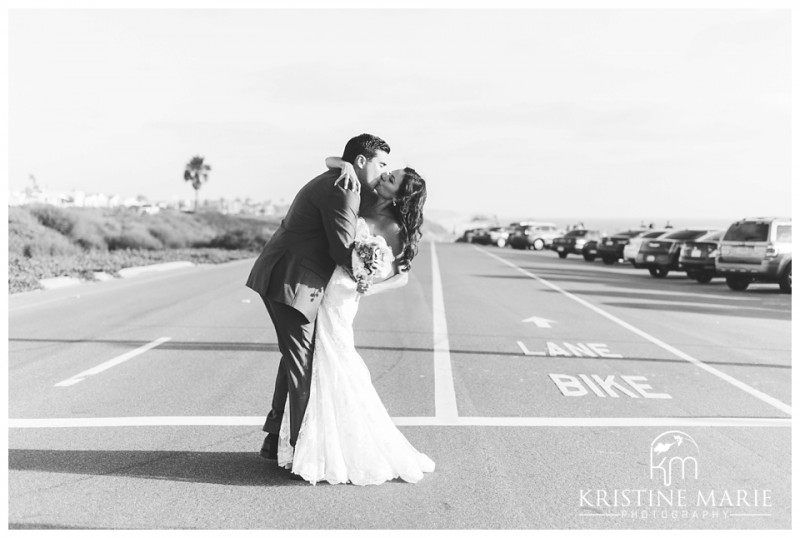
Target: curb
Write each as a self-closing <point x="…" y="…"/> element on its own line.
<point x="66" y="281"/>
<point x="155" y="268"/>
<point x="59" y="282"/>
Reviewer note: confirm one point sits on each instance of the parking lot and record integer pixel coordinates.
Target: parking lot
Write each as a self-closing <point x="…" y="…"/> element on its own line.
<point x="748" y="250"/>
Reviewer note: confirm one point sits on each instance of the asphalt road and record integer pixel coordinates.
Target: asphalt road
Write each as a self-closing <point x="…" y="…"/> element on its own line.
<point x="550" y="393"/>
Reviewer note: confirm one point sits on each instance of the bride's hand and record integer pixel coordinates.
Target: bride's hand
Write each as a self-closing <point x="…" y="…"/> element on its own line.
<point x="349" y="180"/>
<point x="362" y="286"/>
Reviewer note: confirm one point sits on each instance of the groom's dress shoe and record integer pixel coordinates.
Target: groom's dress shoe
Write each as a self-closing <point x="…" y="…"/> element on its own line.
<point x="269" y="450"/>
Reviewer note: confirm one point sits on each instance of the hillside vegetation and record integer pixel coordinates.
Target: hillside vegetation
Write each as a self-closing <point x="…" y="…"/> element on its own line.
<point x="47" y="241"/>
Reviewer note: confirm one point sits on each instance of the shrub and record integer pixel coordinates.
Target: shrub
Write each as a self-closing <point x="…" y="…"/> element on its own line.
<point x="53" y="217"/>
<point x="89" y="235"/>
<point x="168" y="236"/>
<point x="133" y="239"/>
<point x="110" y="225"/>
<point x="55" y="245"/>
<point x="229" y="223"/>
<point x="82" y="227"/>
<point x="21" y="277"/>
<point x="28" y="237"/>
<point x="240" y="240"/>
<point x="184" y="225"/>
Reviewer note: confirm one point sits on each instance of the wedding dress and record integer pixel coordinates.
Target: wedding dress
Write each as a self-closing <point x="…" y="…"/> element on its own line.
<point x="346" y="434"/>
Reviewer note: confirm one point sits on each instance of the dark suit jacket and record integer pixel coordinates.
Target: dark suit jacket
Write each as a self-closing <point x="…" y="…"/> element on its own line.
<point x="316" y="235"/>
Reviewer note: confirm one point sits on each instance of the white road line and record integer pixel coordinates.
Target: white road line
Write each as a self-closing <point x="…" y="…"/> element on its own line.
<point x="535" y="422"/>
<point x="117" y="422"/>
<point x="766" y="398"/>
<point x="445" y="392"/>
<point x="610" y="422"/>
<point x="77" y="378"/>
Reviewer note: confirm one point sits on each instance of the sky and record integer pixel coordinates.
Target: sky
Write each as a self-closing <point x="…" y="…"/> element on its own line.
<point x="668" y="113"/>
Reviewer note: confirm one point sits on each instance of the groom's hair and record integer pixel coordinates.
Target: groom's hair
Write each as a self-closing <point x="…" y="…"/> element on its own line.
<point x="363" y="144"/>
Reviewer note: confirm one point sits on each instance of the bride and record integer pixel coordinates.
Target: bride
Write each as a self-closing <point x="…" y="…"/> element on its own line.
<point x="346" y="434"/>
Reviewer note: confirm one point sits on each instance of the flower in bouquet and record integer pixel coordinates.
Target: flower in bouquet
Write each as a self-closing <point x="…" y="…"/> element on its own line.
<point x="372" y="258"/>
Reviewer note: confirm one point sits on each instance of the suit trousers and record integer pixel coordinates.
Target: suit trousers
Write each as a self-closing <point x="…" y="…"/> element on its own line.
<point x="296" y="343"/>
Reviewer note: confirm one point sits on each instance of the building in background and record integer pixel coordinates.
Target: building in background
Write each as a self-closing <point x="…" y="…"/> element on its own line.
<point x="35" y="194"/>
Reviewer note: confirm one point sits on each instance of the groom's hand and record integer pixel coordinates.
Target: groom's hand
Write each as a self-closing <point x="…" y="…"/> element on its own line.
<point x="348" y="179"/>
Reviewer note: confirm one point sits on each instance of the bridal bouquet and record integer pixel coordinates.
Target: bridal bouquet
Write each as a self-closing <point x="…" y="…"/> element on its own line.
<point x="372" y="258"/>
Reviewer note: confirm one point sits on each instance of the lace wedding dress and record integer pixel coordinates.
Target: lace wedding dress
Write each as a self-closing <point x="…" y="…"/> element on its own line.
<point x="346" y="434"/>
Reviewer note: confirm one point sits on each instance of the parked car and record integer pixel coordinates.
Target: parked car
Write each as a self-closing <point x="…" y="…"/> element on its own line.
<point x="480" y="236"/>
<point x="757" y="249"/>
<point x="698" y="257"/>
<point x="610" y="249"/>
<point x="574" y="241"/>
<point x="630" y="250"/>
<point x="536" y="235"/>
<point x="497" y="235"/>
<point x="662" y="255"/>
<point x="589" y="250"/>
<point x="469" y="235"/>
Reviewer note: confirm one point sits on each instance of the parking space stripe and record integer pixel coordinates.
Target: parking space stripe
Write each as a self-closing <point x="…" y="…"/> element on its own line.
<point x="774" y="402"/>
<point x="445" y="393"/>
<point x="531" y="422"/>
<point x="77" y="378"/>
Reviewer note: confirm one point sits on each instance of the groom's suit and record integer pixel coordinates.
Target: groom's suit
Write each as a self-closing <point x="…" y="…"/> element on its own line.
<point x="291" y="273"/>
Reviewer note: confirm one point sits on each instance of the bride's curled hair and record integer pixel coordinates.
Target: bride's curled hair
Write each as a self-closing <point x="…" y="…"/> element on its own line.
<point x="408" y="211"/>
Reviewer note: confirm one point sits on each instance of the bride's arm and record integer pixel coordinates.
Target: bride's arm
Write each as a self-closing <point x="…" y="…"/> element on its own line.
<point x="397" y="281"/>
<point x="348" y="176"/>
<point x="335" y="162"/>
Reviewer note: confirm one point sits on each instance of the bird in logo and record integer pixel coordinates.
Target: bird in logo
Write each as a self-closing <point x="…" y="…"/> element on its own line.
<point x="662" y="447"/>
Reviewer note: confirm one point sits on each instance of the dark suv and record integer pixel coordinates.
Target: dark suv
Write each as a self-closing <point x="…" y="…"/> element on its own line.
<point x="757" y="249"/>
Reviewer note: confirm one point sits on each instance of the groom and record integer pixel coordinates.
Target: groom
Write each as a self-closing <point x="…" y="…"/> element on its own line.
<point x="292" y="271"/>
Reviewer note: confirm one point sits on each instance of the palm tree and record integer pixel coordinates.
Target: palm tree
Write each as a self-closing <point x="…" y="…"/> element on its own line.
<point x="196" y="172"/>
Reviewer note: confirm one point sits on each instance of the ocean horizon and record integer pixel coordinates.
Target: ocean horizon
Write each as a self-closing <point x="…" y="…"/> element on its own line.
<point x="455" y="223"/>
<point x="618" y="224"/>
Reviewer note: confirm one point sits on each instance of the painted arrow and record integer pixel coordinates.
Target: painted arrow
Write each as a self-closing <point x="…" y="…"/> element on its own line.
<point x="540" y="322"/>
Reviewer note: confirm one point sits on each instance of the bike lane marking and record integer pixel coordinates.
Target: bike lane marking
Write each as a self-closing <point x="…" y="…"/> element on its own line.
<point x="774" y="402"/>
